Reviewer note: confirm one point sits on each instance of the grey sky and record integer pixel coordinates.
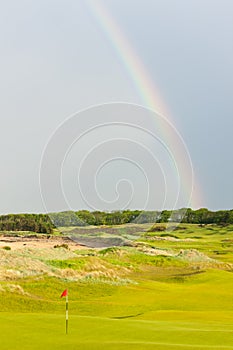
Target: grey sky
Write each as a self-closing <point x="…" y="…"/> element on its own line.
<point x="56" y="60"/>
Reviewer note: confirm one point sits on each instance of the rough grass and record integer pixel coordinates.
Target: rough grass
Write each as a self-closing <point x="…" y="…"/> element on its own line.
<point x="214" y="241"/>
<point x="122" y="297"/>
<point x="167" y="313"/>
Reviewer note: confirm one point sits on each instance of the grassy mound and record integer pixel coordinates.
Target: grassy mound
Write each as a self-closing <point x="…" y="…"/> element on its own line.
<point x="157" y="294"/>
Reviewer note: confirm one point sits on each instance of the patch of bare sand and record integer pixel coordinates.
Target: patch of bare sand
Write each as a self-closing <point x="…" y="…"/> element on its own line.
<point x="34" y="260"/>
<point x="28" y="255"/>
<point x="37" y="242"/>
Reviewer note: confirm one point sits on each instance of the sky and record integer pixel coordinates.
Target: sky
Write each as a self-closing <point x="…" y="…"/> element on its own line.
<point x="57" y="60"/>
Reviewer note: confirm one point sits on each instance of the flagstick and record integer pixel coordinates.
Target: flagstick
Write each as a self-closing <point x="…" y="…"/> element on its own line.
<point x="67" y="313"/>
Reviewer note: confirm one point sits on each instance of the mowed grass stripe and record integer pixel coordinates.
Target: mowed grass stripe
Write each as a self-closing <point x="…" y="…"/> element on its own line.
<point x="46" y="331"/>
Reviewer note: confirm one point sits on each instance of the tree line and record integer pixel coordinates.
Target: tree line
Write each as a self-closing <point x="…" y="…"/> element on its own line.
<point x="184" y="215"/>
<point x="45" y="223"/>
<point x="39" y="223"/>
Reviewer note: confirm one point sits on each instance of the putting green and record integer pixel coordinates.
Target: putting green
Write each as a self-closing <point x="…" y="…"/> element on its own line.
<point x="47" y="331"/>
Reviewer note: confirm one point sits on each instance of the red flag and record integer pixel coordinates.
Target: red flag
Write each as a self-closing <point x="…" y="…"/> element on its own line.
<point x="65" y="293"/>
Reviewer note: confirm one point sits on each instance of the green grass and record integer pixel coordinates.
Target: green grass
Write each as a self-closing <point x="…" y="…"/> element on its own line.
<point x="76" y="264"/>
<point x="134" y="300"/>
<point x="215" y="241"/>
<point x="130" y="257"/>
<point x="47" y="331"/>
<point x="196" y="312"/>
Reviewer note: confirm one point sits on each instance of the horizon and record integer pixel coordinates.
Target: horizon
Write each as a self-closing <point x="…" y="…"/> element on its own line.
<point x="109" y="212"/>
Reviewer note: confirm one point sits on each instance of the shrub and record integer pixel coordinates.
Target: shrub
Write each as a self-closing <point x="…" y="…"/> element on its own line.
<point x="157" y="228"/>
<point x="6" y="247"/>
<point x="64" y="245"/>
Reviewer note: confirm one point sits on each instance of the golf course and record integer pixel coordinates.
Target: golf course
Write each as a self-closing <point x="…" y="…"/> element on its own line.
<point x="116" y="210"/>
<point x="159" y="289"/>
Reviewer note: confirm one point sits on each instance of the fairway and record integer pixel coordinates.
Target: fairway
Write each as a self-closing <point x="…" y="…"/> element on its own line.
<point x="46" y="331"/>
<point x="164" y="292"/>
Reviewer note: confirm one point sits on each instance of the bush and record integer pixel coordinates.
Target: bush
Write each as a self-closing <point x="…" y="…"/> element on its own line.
<point x="6" y="247"/>
<point x="64" y="245"/>
<point x="157" y="228"/>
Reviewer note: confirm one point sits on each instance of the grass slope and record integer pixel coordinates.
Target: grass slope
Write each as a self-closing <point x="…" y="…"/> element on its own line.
<point x="46" y="331"/>
<point x="122" y="298"/>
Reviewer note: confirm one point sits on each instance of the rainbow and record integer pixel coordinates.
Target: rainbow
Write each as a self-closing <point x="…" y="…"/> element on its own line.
<point x="148" y="92"/>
